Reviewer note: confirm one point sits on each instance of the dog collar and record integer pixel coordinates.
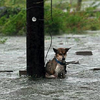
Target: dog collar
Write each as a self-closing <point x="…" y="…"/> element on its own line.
<point x="61" y="63"/>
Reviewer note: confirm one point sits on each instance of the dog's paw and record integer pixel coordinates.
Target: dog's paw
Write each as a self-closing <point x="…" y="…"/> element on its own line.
<point x="50" y="76"/>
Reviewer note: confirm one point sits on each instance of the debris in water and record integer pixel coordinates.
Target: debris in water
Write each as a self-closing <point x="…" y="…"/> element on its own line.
<point x="84" y="53"/>
<point x="95" y="69"/>
<point x="22" y="72"/>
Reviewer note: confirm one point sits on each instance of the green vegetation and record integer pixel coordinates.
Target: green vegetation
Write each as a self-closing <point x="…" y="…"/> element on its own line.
<point x="2" y="40"/>
<point x="13" y="22"/>
<point x="56" y="23"/>
<point x="71" y="22"/>
<point x="13" y="18"/>
<point x="13" y="3"/>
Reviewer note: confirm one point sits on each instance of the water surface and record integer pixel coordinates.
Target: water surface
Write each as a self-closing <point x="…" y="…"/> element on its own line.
<point x="81" y="83"/>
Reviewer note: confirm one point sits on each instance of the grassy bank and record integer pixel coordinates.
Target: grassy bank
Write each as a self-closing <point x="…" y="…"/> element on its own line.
<point x="13" y="18"/>
<point x="71" y="22"/>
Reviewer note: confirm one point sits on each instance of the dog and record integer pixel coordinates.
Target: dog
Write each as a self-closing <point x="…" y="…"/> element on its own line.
<point x="56" y="68"/>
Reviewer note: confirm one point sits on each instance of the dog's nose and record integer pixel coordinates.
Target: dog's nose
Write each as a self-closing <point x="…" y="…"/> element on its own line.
<point x="63" y="58"/>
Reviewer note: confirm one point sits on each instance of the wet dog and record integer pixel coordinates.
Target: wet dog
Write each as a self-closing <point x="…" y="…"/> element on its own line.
<point x="56" y="68"/>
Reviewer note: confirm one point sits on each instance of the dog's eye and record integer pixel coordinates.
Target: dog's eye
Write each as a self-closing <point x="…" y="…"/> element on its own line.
<point x="64" y="53"/>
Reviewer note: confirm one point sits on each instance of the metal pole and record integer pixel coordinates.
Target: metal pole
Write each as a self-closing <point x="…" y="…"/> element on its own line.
<point x="35" y="38"/>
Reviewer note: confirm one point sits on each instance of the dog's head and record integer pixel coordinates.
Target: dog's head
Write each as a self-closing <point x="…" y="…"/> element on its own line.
<point x="61" y="53"/>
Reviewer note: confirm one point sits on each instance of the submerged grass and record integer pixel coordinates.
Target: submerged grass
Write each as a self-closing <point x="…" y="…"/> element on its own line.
<point x="3" y="40"/>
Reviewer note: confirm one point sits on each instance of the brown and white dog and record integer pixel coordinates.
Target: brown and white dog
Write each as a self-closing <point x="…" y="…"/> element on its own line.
<point x="56" y="68"/>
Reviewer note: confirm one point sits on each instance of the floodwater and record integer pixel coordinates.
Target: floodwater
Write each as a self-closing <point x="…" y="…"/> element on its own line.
<point x="81" y="83"/>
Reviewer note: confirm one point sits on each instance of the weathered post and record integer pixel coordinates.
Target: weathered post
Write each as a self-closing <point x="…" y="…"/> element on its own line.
<point x="79" y="2"/>
<point x="71" y="2"/>
<point x="35" y="38"/>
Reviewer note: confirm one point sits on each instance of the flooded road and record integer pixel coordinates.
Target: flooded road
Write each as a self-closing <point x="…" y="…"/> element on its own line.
<point x="81" y="83"/>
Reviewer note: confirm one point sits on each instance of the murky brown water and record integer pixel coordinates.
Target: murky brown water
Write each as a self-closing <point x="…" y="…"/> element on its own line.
<point x="80" y="83"/>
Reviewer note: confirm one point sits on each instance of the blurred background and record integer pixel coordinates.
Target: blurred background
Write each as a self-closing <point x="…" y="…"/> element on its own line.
<point x="72" y="16"/>
<point x="70" y="19"/>
<point x="69" y="16"/>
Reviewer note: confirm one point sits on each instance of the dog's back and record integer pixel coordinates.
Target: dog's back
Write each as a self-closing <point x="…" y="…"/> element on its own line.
<point x="50" y="67"/>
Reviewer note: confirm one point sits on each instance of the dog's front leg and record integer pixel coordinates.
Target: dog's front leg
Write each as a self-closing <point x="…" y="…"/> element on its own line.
<point x="65" y="69"/>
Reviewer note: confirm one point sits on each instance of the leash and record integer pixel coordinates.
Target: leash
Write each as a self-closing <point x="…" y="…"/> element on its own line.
<point x="50" y="37"/>
<point x="67" y="63"/>
<point x="51" y="11"/>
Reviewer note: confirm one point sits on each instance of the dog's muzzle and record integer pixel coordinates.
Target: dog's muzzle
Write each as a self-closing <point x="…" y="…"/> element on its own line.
<point x="63" y="58"/>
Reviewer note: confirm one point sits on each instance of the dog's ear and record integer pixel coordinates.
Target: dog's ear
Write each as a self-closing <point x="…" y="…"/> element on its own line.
<point x="67" y="49"/>
<point x="55" y="50"/>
